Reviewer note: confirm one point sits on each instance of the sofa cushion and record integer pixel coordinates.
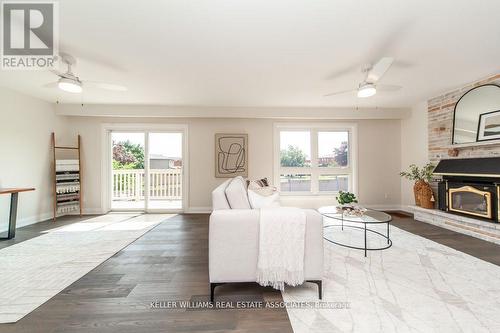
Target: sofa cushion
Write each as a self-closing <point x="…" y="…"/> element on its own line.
<point x="261" y="201"/>
<point x="236" y="194"/>
<point x="219" y="200"/>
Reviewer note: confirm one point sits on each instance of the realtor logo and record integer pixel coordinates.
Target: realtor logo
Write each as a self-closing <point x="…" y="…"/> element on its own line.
<point x="29" y="35"/>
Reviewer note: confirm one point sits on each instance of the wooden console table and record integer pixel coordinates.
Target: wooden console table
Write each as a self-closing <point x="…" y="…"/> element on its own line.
<point x="14" y="193"/>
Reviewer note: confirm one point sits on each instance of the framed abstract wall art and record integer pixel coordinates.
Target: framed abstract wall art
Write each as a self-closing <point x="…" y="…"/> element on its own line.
<point x="489" y="126"/>
<point x="231" y="155"/>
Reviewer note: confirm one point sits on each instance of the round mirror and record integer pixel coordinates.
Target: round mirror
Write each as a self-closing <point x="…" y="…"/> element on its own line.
<point x="472" y="109"/>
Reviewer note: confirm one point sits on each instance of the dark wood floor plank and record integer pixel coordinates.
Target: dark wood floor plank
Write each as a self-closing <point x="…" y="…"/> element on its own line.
<point x="169" y="263"/>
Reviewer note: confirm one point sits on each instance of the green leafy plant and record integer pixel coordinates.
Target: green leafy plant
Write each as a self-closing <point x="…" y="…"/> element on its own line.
<point x="292" y="157"/>
<point x="346" y="198"/>
<point x="415" y="173"/>
<point x="127" y="155"/>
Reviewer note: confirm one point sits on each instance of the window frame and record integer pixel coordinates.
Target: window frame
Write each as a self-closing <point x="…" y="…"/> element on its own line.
<point x="314" y="170"/>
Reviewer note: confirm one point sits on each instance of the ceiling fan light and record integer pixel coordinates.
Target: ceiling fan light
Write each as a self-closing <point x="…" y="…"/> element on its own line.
<point x="68" y="85"/>
<point x="366" y="90"/>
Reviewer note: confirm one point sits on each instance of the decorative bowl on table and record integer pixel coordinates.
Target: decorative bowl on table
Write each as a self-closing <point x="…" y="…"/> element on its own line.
<point x="351" y="210"/>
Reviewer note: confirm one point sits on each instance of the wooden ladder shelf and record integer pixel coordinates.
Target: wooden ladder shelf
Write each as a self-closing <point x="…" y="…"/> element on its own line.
<point x="67" y="181"/>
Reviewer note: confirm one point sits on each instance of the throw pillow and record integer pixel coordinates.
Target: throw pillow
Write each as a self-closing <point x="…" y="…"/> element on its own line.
<point x="264" y="191"/>
<point x="260" y="182"/>
<point x="260" y="201"/>
<point x="261" y="186"/>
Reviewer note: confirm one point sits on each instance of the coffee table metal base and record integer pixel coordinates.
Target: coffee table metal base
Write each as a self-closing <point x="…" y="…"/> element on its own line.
<point x="366" y="230"/>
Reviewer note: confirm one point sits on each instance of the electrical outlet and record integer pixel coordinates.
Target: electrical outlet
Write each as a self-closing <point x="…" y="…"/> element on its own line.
<point x="386" y="195"/>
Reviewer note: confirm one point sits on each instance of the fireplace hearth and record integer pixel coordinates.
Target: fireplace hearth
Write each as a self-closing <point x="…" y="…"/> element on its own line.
<point x="470" y="187"/>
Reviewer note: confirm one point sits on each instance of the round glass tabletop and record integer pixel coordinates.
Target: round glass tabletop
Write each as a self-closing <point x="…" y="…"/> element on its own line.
<point x="369" y="217"/>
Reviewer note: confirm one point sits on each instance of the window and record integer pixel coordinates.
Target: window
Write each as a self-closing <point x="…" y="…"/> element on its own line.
<point x="295" y="149"/>
<point x="314" y="159"/>
<point x="295" y="183"/>
<point x="333" y="149"/>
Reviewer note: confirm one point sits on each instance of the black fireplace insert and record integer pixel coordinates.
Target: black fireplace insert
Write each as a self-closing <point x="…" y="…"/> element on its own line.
<point x="470" y="187"/>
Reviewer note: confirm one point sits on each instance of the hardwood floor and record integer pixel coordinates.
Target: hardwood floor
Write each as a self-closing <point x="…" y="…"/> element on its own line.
<point x="170" y="263"/>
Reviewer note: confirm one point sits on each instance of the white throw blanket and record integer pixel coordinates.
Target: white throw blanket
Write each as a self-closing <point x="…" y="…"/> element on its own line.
<point x="281" y="247"/>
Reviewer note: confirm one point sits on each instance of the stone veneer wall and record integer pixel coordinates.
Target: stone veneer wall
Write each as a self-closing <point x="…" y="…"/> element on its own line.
<point x="440" y="124"/>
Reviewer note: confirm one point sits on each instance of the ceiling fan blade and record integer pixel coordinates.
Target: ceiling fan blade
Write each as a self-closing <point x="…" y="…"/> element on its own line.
<point x="50" y="85"/>
<point x="388" y="87"/>
<point x="342" y="72"/>
<point x="92" y="57"/>
<point x="339" y="92"/>
<point x="105" y="86"/>
<point x="378" y="70"/>
<point x="56" y="72"/>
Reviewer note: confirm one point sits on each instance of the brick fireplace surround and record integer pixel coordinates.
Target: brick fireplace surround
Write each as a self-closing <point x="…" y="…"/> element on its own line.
<point x="440" y="124"/>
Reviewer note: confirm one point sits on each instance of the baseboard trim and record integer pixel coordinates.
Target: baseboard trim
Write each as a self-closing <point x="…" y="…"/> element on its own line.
<point x="385" y="207"/>
<point x="208" y="210"/>
<point x="408" y="209"/>
<point x="93" y="211"/>
<point x="25" y="221"/>
<point x="198" y="210"/>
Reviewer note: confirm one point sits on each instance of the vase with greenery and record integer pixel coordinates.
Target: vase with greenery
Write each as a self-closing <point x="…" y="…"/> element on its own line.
<point x="421" y="177"/>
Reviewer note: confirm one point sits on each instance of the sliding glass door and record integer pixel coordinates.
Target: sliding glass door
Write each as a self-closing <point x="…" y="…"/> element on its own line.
<point x="165" y="171"/>
<point x="147" y="171"/>
<point x="128" y="181"/>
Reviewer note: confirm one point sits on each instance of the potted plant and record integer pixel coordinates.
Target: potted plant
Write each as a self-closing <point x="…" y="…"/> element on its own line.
<point x="421" y="177"/>
<point x="345" y="198"/>
<point x="346" y="201"/>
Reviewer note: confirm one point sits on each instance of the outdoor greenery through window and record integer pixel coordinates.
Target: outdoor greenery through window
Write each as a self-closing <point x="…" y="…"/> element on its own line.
<point x="333" y="149"/>
<point x="128" y="155"/>
<point x="314" y="161"/>
<point x="295" y="149"/>
<point x="146" y="170"/>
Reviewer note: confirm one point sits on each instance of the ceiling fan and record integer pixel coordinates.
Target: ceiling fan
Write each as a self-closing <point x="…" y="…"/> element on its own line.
<point x="70" y="82"/>
<point x="369" y="86"/>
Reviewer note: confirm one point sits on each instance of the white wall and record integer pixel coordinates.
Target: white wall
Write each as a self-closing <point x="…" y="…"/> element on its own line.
<point x="414" y="143"/>
<point x="378" y="163"/>
<point x="25" y="127"/>
<point x="26" y="157"/>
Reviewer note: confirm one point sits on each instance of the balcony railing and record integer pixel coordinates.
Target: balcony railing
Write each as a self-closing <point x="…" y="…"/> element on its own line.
<point x="164" y="184"/>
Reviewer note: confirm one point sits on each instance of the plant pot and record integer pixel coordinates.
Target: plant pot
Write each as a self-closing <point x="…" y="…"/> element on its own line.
<point x="416" y="191"/>
<point x="426" y="196"/>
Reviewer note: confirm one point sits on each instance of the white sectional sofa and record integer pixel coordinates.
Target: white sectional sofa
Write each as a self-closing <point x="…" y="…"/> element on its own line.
<point x="234" y="240"/>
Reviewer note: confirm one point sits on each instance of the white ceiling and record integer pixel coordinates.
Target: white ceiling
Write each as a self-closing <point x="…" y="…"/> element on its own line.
<point x="269" y="53"/>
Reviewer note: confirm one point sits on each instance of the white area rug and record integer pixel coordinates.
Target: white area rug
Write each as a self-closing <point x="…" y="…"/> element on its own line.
<point x="415" y="286"/>
<point x="37" y="269"/>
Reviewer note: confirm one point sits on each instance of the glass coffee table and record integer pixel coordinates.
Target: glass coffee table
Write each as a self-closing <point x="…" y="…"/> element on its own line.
<point x="366" y="224"/>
